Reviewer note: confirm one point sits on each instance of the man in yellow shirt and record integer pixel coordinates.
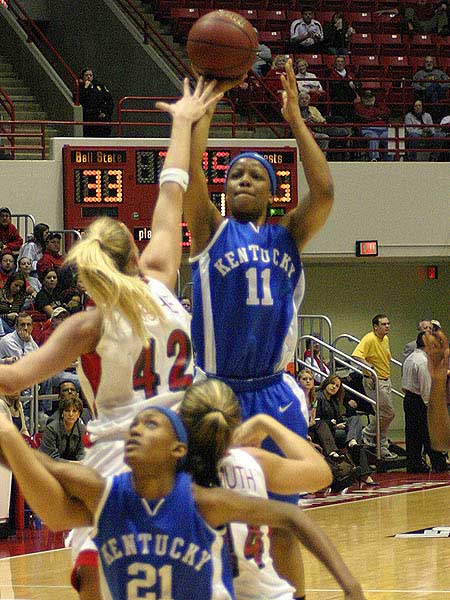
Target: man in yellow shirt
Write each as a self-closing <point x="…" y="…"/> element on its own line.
<point x="373" y="350"/>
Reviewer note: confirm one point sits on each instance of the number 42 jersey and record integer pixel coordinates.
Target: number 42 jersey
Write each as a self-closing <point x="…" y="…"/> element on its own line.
<point x="248" y="286"/>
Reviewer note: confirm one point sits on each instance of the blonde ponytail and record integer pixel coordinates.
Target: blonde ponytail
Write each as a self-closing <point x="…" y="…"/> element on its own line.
<point x="102" y="261"/>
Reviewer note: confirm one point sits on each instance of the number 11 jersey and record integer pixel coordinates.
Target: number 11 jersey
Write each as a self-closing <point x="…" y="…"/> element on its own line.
<point x="248" y="285"/>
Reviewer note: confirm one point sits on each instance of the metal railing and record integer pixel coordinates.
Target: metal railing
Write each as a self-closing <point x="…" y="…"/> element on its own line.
<point x="319" y="325"/>
<point x="25" y="223"/>
<point x="8" y="106"/>
<point x="354" y="365"/>
<point x="37" y="36"/>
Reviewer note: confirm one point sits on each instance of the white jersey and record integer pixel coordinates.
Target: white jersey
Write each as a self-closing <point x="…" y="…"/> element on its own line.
<point x="257" y="578"/>
<point x="121" y="378"/>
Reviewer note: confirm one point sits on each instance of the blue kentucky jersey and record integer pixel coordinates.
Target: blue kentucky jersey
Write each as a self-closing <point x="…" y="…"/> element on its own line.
<point x="248" y="286"/>
<point x="162" y="550"/>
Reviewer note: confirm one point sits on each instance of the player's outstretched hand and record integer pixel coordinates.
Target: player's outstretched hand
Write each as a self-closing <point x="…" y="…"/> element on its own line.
<point x="193" y="105"/>
<point x="436" y="347"/>
<point x="290" y="109"/>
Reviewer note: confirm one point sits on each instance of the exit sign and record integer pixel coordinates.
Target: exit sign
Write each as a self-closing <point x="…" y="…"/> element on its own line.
<point x="366" y="248"/>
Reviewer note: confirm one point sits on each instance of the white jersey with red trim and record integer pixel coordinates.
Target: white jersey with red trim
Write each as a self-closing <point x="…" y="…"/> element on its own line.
<point x="121" y="377"/>
<point x="257" y="578"/>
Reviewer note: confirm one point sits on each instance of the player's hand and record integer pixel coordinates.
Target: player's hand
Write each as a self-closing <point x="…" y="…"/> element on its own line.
<point x="290" y="109"/>
<point x="252" y="432"/>
<point x="436" y="347"/>
<point x="355" y="594"/>
<point x="193" y="105"/>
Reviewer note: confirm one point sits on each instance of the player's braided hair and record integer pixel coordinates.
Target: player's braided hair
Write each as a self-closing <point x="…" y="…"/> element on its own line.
<point x="210" y="413"/>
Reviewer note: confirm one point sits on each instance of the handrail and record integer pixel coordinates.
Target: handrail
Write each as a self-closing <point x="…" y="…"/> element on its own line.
<point x="359" y="367"/>
<point x="121" y="111"/>
<point x="352" y="338"/>
<point x="153" y="37"/>
<point x="8" y="105"/>
<point x="37" y="36"/>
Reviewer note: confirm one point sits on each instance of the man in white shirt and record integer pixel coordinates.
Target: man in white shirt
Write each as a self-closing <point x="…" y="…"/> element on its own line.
<point x="307" y="32"/>
<point x="416" y="383"/>
<point x="423" y="325"/>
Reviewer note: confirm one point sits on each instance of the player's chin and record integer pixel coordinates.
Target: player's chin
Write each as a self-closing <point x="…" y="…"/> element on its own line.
<point x="243" y="214"/>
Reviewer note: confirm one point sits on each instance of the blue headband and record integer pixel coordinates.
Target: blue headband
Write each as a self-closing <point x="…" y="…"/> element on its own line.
<point x="265" y="163"/>
<point x="175" y="420"/>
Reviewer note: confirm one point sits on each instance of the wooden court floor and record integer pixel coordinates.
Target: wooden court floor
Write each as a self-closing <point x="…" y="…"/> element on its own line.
<point x="388" y="568"/>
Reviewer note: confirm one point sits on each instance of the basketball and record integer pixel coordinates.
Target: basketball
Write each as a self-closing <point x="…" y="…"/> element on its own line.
<point x="222" y="45"/>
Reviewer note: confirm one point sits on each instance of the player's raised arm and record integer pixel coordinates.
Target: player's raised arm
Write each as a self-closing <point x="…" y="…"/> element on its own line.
<point x="56" y="506"/>
<point x="313" y="210"/>
<point x="161" y="258"/>
<point x="436" y="347"/>
<point x="201" y="215"/>
<point x="220" y="506"/>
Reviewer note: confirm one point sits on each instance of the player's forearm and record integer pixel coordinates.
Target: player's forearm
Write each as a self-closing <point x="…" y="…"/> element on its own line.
<point x="438" y="417"/>
<point x="315" y="166"/>
<point x="320" y="545"/>
<point x="178" y="154"/>
<point x="199" y="141"/>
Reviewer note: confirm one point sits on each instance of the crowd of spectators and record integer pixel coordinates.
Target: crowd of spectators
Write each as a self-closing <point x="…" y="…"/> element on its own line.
<point x="37" y="292"/>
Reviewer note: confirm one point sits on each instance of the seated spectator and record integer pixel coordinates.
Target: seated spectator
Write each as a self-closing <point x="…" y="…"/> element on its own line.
<point x="312" y="357"/>
<point x="430" y="83"/>
<point x="10" y="239"/>
<point x="186" y="303"/>
<point x="306" y="81"/>
<point x="336" y="35"/>
<point x="69" y="390"/>
<point x="59" y="314"/>
<point x="11" y="406"/>
<point x="19" y="342"/>
<point x="263" y="61"/>
<point x="48" y="298"/>
<point x="7" y="266"/>
<point x="424" y="16"/>
<point x="306" y="33"/>
<point x="313" y="118"/>
<point x="272" y="78"/>
<point x="32" y="284"/>
<point x="416" y="134"/>
<point x="374" y="112"/>
<point x="12" y="299"/>
<point x="62" y="438"/>
<point x="342" y="92"/>
<point x="347" y="429"/>
<point x="52" y="257"/>
<point x="34" y="247"/>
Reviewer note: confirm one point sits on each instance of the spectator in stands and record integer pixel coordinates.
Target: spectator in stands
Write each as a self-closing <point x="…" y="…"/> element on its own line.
<point x="415" y="119"/>
<point x="430" y="83"/>
<point x="337" y="34"/>
<point x="62" y="438"/>
<point x="347" y="430"/>
<point x="424" y="17"/>
<point x="342" y="92"/>
<point x="313" y="118"/>
<point x="312" y="357"/>
<point x="48" y="298"/>
<point x="374" y="112"/>
<point x="34" y="247"/>
<point x="7" y="267"/>
<point x="32" y="284"/>
<point x="263" y="61"/>
<point x="68" y="390"/>
<point x="186" y="303"/>
<point x="97" y="103"/>
<point x="11" y="406"/>
<point x="306" y="81"/>
<point x="272" y="78"/>
<point x="52" y="257"/>
<point x="19" y="342"/>
<point x="306" y="33"/>
<point x="423" y="325"/>
<point x="10" y="239"/>
<point x="445" y="144"/>
<point x="12" y="299"/>
<point x="416" y="383"/>
<point x="59" y="314"/>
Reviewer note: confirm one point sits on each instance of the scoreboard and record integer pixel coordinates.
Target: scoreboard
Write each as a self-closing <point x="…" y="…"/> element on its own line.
<point x="122" y="183"/>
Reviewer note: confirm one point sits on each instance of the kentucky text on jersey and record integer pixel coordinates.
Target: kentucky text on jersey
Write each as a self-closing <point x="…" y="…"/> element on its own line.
<point x="235" y="476"/>
<point x="142" y="544"/>
<point x="254" y="253"/>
